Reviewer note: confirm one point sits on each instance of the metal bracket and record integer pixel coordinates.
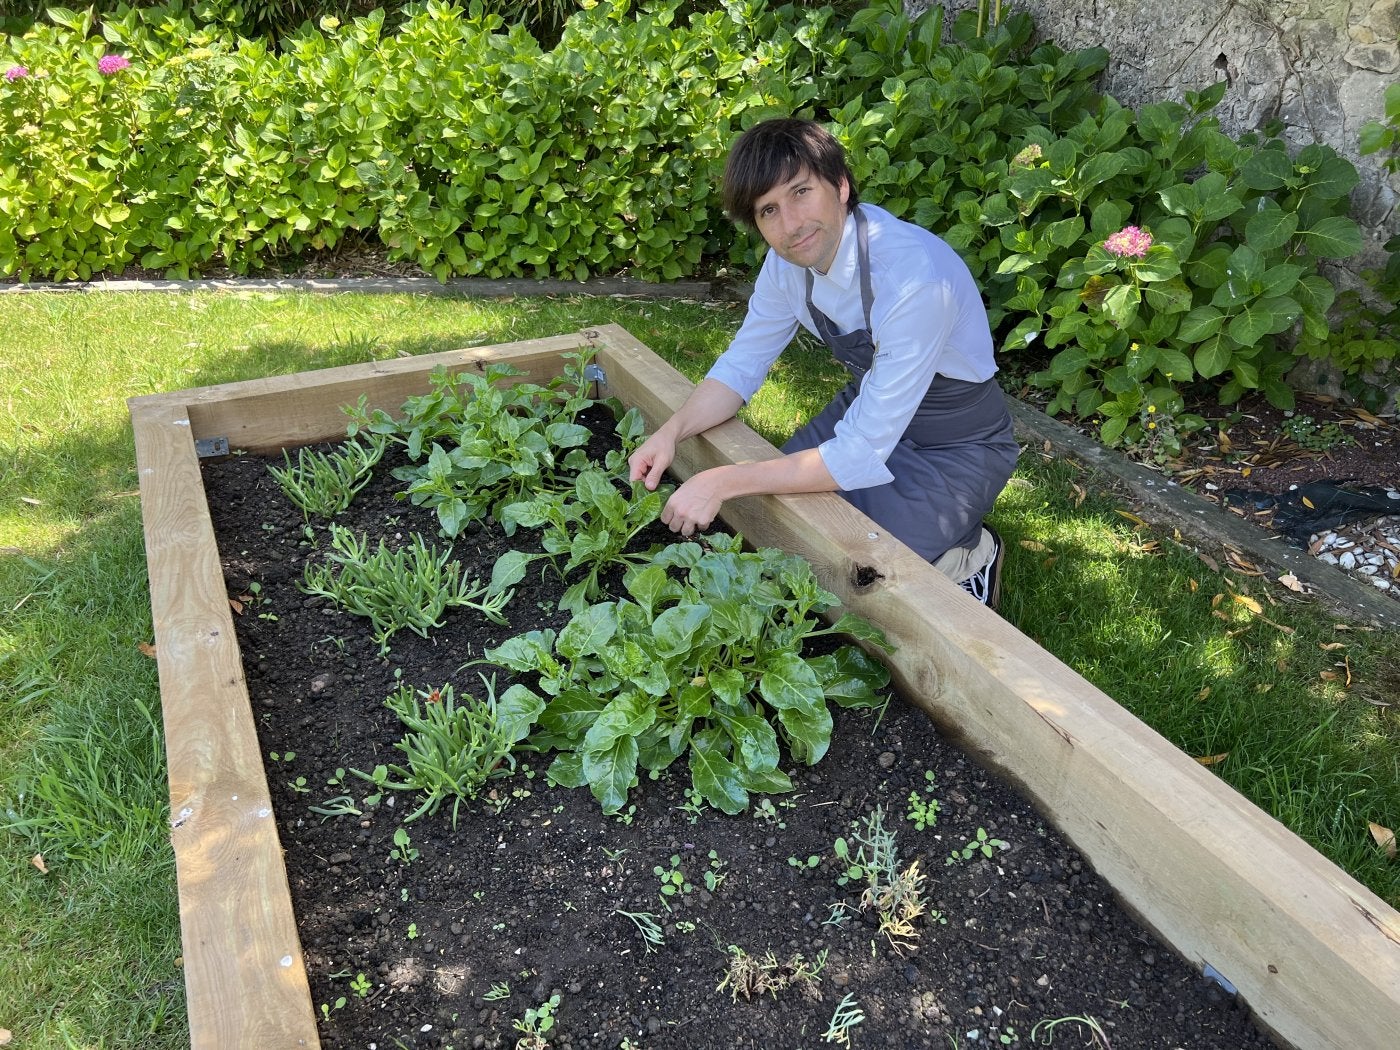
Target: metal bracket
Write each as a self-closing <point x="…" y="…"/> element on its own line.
<point x="211" y="448"/>
<point x="595" y="374"/>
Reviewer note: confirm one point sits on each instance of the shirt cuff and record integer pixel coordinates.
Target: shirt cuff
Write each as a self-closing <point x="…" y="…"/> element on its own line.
<point x="853" y="463"/>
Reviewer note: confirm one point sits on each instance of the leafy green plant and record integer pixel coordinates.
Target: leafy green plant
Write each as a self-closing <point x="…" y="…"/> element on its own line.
<point x="1383" y="136"/>
<point x="361" y="985"/>
<point x="453" y="748"/>
<point x="404" y="851"/>
<point x="706" y="662"/>
<point x="1306" y="432"/>
<point x="411" y="587"/>
<point x="324" y="483"/>
<point x="673" y="880"/>
<point x="500" y="990"/>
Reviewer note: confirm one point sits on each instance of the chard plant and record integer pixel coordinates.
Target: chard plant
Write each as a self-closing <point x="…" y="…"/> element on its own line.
<point x="324" y="483"/>
<point x="410" y="587"/>
<point x="478" y="444"/>
<point x="453" y="747"/>
<point x="588" y="530"/>
<point x="704" y="659"/>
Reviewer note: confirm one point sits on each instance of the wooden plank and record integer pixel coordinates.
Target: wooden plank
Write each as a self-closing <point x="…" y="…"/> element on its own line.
<point x="245" y="982"/>
<point x="266" y="415"/>
<point x="1313" y="952"/>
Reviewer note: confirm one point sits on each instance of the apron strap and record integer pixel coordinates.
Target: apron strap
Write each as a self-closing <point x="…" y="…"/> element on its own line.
<point x="825" y="328"/>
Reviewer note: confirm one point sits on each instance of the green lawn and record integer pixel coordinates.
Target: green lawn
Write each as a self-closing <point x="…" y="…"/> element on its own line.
<point x="1279" y="695"/>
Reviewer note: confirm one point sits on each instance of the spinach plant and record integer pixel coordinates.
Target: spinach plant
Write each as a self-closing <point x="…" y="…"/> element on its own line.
<point x="702" y="658"/>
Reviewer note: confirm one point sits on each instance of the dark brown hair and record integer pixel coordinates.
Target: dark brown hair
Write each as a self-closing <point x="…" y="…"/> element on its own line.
<point x="774" y="151"/>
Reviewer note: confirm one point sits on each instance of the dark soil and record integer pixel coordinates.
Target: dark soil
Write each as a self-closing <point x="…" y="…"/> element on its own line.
<point x="526" y="892"/>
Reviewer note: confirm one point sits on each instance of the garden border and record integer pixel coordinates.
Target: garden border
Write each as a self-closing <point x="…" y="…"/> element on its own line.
<point x="1315" y="954"/>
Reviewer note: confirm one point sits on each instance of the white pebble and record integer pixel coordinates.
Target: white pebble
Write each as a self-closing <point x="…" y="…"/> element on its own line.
<point x="1347" y="560"/>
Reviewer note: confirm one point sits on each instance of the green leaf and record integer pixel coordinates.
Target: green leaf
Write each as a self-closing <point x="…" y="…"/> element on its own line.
<point x="675" y="628"/>
<point x="1200" y="323"/>
<point x="1159" y="264"/>
<point x="808" y="732"/>
<point x="1268" y="169"/>
<point x="861" y="629"/>
<point x="1175" y="365"/>
<point x="788" y="681"/>
<point x="588" y="632"/>
<point x="1335" y="237"/>
<point x="567" y="770"/>
<point x="1211" y="357"/>
<point x="850" y="676"/>
<point x="517" y="710"/>
<point x="1270" y="228"/>
<point x="508" y="571"/>
<point x="629" y="714"/>
<point x="612" y="772"/>
<point x="714" y="776"/>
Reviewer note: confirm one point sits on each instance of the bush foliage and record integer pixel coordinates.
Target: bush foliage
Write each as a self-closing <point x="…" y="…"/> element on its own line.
<point x="462" y="145"/>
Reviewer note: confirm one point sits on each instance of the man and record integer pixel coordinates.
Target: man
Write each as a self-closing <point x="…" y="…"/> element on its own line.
<point x="920" y="440"/>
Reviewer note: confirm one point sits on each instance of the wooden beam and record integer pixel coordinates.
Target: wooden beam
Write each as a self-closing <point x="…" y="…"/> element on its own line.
<point x="245" y="982"/>
<point x="1314" y="953"/>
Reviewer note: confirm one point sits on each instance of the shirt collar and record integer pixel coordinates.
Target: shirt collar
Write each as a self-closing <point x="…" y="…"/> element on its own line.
<point x="843" y="270"/>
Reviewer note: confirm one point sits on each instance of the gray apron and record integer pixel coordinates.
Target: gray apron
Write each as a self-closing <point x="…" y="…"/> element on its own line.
<point x="953" y="459"/>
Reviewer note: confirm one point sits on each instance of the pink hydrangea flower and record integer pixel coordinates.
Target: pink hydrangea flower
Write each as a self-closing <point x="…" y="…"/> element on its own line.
<point x="16" y="73"/>
<point x="1129" y="241"/>
<point x="109" y="64"/>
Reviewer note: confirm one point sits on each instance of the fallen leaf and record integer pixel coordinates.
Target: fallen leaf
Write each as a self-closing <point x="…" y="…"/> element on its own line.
<point x="1243" y="565"/>
<point x="1308" y="503"/>
<point x="1211" y="563"/>
<point x="1204" y="693"/>
<point x="1049" y="561"/>
<point x="1366" y="417"/>
<point x="38" y="861"/>
<point x="31" y="501"/>
<point x="1034" y="545"/>
<point x="1278" y="626"/>
<point x="1079" y="494"/>
<point x="1215" y="602"/>
<point x="1246" y="472"/>
<point x="1249" y="603"/>
<point x="236" y="606"/>
<point x="1385" y="838"/>
<point x="1132" y="517"/>
<point x="1192" y="585"/>
<point x="146" y="649"/>
<point x="1210" y="760"/>
<point x="1327" y="676"/>
<point x="1263" y="687"/>
<point x="5" y="1037"/>
<point x="1328" y="647"/>
<point x="1291" y="582"/>
<point x="1378" y="703"/>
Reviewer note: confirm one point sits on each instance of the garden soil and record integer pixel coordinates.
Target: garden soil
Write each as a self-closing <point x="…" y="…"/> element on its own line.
<point x="449" y="939"/>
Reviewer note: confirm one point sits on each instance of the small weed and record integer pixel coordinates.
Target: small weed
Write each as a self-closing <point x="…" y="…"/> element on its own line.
<point x="923" y="811"/>
<point x="748" y="975"/>
<point x="404" y="850"/>
<point x="1098" y="1037"/>
<point x="694" y="803"/>
<point x="361" y="985"/>
<point x="626" y="816"/>
<point x="1307" y="433"/>
<point x="982" y="843"/>
<point x="285" y="756"/>
<point x="412" y="933"/>
<point x="804" y="865"/>
<point x="647" y="926"/>
<point x="896" y="894"/>
<point x="498" y="991"/>
<point x="299" y="785"/>
<point x="714" y="875"/>
<point x="847" y="1016"/>
<point x="673" y="880"/>
<point x="327" y="1010"/>
<point x="537" y="1022"/>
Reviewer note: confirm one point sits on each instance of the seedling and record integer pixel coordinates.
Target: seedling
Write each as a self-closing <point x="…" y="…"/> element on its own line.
<point x="498" y="991"/>
<point x="694" y="803"/>
<point x="537" y="1022"/>
<point x="324" y="483"/>
<point x="361" y="985"/>
<point x="923" y="812"/>
<point x="715" y="874"/>
<point x="626" y="816"/>
<point x="412" y="933"/>
<point x="805" y="865"/>
<point x="299" y="785"/>
<point x="326" y="1010"/>
<point x="981" y="843"/>
<point x="404" y="850"/>
<point x="673" y="880"/>
<point x="896" y="894"/>
<point x="847" y="1016"/>
<point x="647" y="926"/>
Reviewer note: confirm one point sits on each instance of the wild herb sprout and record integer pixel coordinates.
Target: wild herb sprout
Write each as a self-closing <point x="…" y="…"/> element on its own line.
<point x="500" y="990"/>
<point x="404" y="851"/>
<point x="361" y="985"/>
<point x="647" y="926"/>
<point x="452" y="748"/>
<point x="847" y="1016"/>
<point x="324" y="483"/>
<point x="748" y="975"/>
<point x="923" y="812"/>
<point x="706" y="661"/>
<point x="410" y="587"/>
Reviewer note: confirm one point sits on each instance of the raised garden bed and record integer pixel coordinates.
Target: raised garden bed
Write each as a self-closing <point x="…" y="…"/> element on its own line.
<point x="1316" y="956"/>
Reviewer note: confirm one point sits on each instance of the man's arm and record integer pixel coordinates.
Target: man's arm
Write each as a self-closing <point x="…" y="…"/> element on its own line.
<point x="708" y="405"/>
<point x="695" y="504"/>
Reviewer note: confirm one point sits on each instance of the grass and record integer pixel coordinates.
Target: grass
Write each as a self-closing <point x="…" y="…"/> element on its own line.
<point x="1272" y="692"/>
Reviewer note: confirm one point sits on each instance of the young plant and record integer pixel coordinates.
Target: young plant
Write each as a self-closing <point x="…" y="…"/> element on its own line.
<point x="410" y="587"/>
<point x="537" y="1023"/>
<point x="748" y="975"/>
<point x="324" y="483"/>
<point x="708" y="662"/>
<point x="923" y="812"/>
<point x="673" y="880"/>
<point x="980" y="843"/>
<point x="847" y="1017"/>
<point x="895" y="894"/>
<point x="404" y="851"/>
<point x="453" y="748"/>
<point x="361" y="985"/>
<point x="647" y="926"/>
<point x="500" y="990"/>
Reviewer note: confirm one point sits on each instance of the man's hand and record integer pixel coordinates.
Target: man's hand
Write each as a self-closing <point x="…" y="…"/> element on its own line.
<point x="650" y="461"/>
<point x="694" y="505"/>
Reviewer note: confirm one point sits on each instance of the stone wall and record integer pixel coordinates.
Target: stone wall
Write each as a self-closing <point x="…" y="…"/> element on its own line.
<point x="1319" y="66"/>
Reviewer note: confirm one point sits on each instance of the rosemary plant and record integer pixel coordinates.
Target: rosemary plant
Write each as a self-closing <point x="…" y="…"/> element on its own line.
<point x="410" y="587"/>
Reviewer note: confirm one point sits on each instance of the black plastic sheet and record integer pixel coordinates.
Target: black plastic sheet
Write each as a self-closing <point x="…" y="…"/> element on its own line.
<point x="1317" y="506"/>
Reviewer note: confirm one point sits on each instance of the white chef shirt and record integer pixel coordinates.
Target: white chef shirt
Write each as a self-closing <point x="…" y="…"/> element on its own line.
<point x="927" y="319"/>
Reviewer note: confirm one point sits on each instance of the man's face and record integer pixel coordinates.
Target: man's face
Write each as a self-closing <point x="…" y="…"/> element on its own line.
<point x="802" y="219"/>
